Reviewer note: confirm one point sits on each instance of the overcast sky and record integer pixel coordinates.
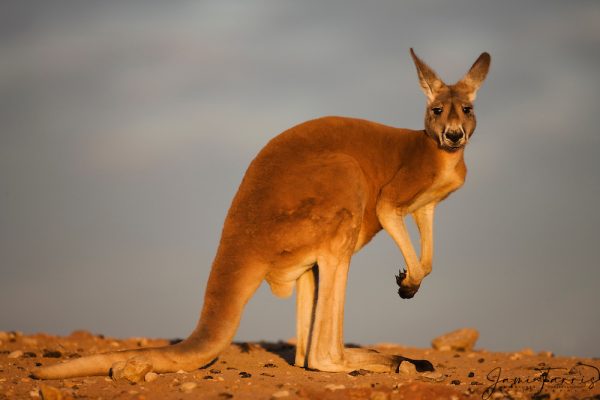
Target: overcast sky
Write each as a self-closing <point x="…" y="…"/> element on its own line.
<point x="126" y="127"/>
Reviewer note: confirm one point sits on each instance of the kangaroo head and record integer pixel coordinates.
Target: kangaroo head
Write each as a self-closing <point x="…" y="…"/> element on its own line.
<point x="450" y="116"/>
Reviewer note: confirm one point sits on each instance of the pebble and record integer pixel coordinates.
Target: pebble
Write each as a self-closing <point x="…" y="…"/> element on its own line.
<point x="34" y="393"/>
<point x="432" y="376"/>
<point x="515" y="356"/>
<point x="52" y="354"/>
<point x="280" y="394"/>
<point x="333" y="387"/>
<point x="15" y="354"/>
<point x="407" y="368"/>
<point x="471" y="374"/>
<point x="133" y="370"/>
<point x="460" y="340"/>
<point x="150" y="376"/>
<point x="527" y="352"/>
<point x="187" y="387"/>
<point x="244" y="374"/>
<point x="358" y="372"/>
<point x="455" y="382"/>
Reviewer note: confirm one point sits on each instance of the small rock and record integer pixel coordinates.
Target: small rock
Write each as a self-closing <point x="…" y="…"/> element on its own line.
<point x="34" y="393"/>
<point x="29" y="354"/>
<point x="244" y="374"/>
<point x="225" y="395"/>
<point x="471" y="374"/>
<point x="460" y="340"/>
<point x="15" y="354"/>
<point x="208" y="377"/>
<point x="280" y="394"/>
<point x="515" y="356"/>
<point x="455" y="382"/>
<point x="52" y="354"/>
<point x="187" y="387"/>
<point x="50" y="393"/>
<point x="133" y="370"/>
<point x="433" y="376"/>
<point x="292" y="341"/>
<point x="548" y="354"/>
<point x="151" y="376"/>
<point x="5" y="336"/>
<point x="141" y="342"/>
<point x="358" y="372"/>
<point x="270" y="365"/>
<point x="407" y="368"/>
<point x="527" y="352"/>
<point x="215" y="371"/>
<point x="334" y="387"/>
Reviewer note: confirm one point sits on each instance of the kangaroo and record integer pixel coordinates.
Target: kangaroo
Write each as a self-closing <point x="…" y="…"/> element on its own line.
<point x="313" y="196"/>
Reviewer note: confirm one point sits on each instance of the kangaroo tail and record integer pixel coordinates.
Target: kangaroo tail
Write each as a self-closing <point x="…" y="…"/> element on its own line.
<point x="229" y="287"/>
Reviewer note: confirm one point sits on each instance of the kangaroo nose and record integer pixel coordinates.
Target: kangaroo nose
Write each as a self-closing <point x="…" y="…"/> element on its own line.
<point x="455" y="136"/>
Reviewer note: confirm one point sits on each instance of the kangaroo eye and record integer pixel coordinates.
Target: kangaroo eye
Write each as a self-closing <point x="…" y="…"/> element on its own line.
<point x="467" y="109"/>
<point x="437" y="110"/>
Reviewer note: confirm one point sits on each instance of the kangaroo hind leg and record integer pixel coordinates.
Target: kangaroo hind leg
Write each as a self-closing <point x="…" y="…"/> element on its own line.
<point x="306" y="296"/>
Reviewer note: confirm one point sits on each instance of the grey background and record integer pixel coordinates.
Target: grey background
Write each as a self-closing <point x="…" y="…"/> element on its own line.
<point x="126" y="127"/>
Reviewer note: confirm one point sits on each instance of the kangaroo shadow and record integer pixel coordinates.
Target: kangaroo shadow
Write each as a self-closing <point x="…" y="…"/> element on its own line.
<point x="287" y="352"/>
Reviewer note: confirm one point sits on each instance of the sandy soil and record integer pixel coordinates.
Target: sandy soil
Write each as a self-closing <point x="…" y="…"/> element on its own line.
<point x="264" y="371"/>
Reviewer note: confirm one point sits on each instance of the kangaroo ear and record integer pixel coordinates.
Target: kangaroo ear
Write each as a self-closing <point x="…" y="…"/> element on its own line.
<point x="430" y="83"/>
<point x="476" y="75"/>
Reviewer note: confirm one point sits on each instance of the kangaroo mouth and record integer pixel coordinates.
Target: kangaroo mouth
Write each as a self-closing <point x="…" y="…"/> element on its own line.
<point x="452" y="147"/>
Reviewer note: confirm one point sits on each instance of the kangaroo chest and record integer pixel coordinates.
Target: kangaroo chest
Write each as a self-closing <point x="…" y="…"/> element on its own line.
<point x="445" y="180"/>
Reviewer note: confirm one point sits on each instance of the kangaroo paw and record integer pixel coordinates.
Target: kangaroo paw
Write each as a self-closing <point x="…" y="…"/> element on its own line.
<point x="405" y="291"/>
